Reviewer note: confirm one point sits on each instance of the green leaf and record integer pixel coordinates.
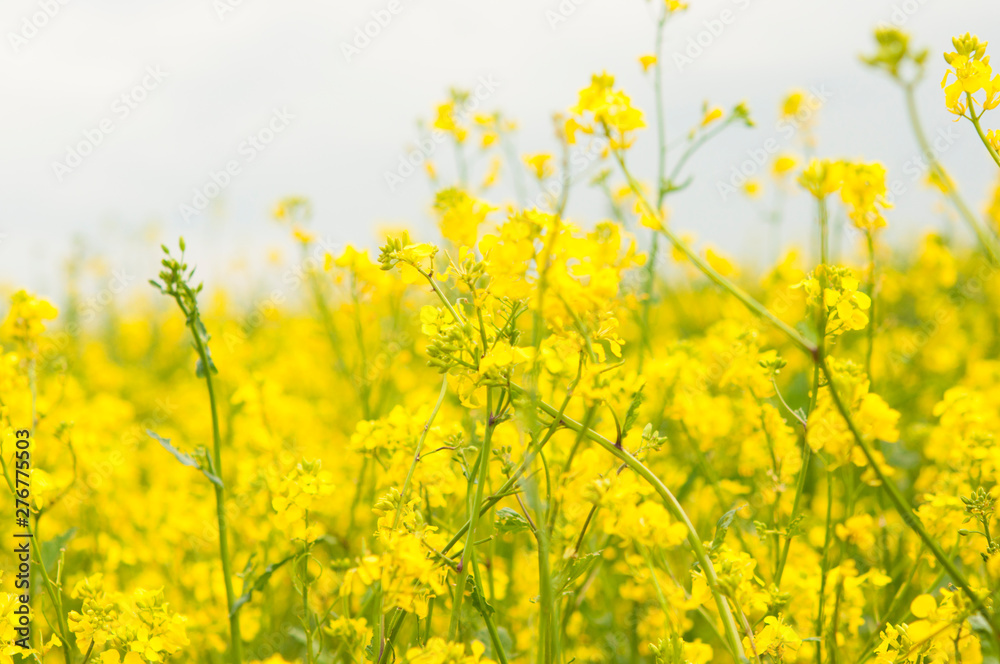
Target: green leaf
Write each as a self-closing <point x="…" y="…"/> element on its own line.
<point x="199" y="368"/>
<point x="185" y="459"/>
<point x="478" y="599"/>
<point x="257" y="585"/>
<point x="722" y="527"/>
<point x="51" y="550"/>
<point x="988" y="642"/>
<point x="372" y="648"/>
<point x="508" y="521"/>
<point x="214" y="479"/>
<point x="632" y="414"/>
<point x="573" y="569"/>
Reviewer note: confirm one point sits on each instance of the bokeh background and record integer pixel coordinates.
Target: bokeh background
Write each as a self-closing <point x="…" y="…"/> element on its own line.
<point x="227" y="66"/>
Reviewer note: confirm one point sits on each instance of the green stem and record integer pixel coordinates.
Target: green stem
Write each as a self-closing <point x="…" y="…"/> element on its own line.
<point x="796" y="506"/>
<point x="306" y="618"/>
<point x="416" y="452"/>
<point x="385" y="641"/>
<point x="236" y="641"/>
<point x="979" y="130"/>
<point x="825" y="567"/>
<point x="731" y="630"/>
<point x="986" y="239"/>
<point x="900" y="503"/>
<point x="870" y="236"/>
<point x="504" y="490"/>
<point x="469" y="550"/>
<point x="491" y="625"/>
<point x="745" y="298"/>
<point x="661" y="170"/>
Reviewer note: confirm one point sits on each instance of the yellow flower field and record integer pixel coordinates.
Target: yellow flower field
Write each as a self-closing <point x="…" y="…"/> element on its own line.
<point x="531" y="439"/>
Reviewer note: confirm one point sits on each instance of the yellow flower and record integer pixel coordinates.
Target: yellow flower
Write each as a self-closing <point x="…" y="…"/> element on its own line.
<point x="460" y="216"/>
<point x="776" y="639"/>
<point x="710" y="115"/>
<point x="993" y="138"/>
<point x="863" y="190"/>
<point x="858" y="530"/>
<point x="647" y="61"/>
<point x="539" y="164"/>
<point x="752" y="188"/>
<point x="722" y="265"/>
<point x="783" y="165"/>
<point x="971" y="70"/>
<point x="447" y="118"/>
<point x="602" y="107"/>
<point x="113" y="657"/>
<point x="25" y="319"/>
<point x="792" y="103"/>
<point x="923" y="606"/>
<point x="822" y="177"/>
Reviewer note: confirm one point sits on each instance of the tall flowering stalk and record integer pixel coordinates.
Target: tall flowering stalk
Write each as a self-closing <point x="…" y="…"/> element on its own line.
<point x="176" y="283"/>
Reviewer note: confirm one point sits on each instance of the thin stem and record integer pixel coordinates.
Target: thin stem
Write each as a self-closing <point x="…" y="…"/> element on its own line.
<point x="416" y="452"/>
<point x="986" y="239"/>
<point x="86" y="657"/>
<point x="899" y="502"/>
<point x="825" y="567"/>
<point x="796" y="506"/>
<point x="491" y="625"/>
<point x="979" y="130"/>
<point x="306" y="619"/>
<point x="504" y="490"/>
<point x="517" y="176"/>
<point x="661" y="170"/>
<point x="469" y="550"/>
<point x="748" y="301"/>
<point x="385" y="642"/>
<point x="731" y="630"/>
<point x="870" y="237"/>
<point x="236" y="641"/>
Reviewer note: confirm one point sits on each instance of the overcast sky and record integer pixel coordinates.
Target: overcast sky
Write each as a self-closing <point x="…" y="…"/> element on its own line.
<point x="163" y="95"/>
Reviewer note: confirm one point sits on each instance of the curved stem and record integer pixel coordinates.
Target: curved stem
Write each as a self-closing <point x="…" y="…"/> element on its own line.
<point x="900" y="502"/>
<point x="748" y="301"/>
<point x="987" y="241"/>
<point x="979" y="130"/>
<point x="729" y="623"/>
<point x="416" y="452"/>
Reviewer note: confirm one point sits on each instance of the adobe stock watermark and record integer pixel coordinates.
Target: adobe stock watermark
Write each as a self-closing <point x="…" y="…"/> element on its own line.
<point x="364" y="34"/>
<point x="901" y="14"/>
<point x="579" y="163"/>
<point x="562" y="12"/>
<point x="225" y="7"/>
<point x="87" y="311"/>
<point x="918" y="165"/>
<point x="267" y="307"/>
<point x="121" y="108"/>
<point x="427" y="146"/>
<point x="784" y="129"/>
<point x="247" y="151"/>
<point x="713" y="29"/>
<point x="31" y="25"/>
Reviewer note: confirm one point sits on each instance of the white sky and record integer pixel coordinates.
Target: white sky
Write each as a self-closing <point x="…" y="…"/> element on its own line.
<point x="223" y="78"/>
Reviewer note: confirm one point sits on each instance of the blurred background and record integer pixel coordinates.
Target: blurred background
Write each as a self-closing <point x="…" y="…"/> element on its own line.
<point x="119" y="114"/>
